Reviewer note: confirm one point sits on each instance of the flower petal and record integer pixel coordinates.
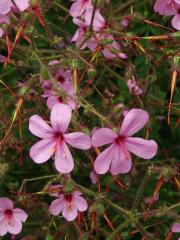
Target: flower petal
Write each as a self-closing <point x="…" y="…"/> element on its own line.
<point x="20" y="214"/>
<point x="103" y="161"/>
<point x="15" y="227"/>
<point x="5" y="6"/>
<point x="176" y="228"/>
<point x="78" y="140"/>
<point x="80" y="203"/>
<point x="63" y="159"/>
<point x="146" y="149"/>
<point x="69" y="213"/>
<point x="3" y="227"/>
<point x="121" y="163"/>
<point x="51" y="101"/>
<point x="22" y="4"/>
<point x="134" y="120"/>
<point x="57" y="206"/>
<point x="5" y="203"/>
<point x="60" y="117"/>
<point x="165" y="7"/>
<point x="77" y="9"/>
<point x="39" y="127"/>
<point x="176" y="22"/>
<point x="103" y="136"/>
<point x="42" y="150"/>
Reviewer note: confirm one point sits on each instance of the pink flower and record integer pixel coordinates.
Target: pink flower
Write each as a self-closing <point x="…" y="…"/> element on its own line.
<point x="175" y="228"/>
<point x="69" y="205"/>
<point x="54" y="139"/>
<point x="65" y="83"/>
<point x="116" y="157"/>
<point x="79" y="6"/>
<point x="110" y="50"/>
<point x="168" y="8"/>
<point x="133" y="87"/>
<point x="98" y="22"/>
<point x="10" y="219"/>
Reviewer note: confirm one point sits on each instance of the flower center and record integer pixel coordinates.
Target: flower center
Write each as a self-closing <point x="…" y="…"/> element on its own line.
<point x="61" y="79"/>
<point x="9" y="214"/>
<point x="119" y="140"/>
<point x="60" y="99"/>
<point x="68" y="197"/>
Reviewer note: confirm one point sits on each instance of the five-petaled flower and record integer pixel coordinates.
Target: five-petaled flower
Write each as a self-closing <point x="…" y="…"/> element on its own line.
<point x="69" y="204"/>
<point x="10" y="218"/>
<point x="117" y="156"/>
<point x="54" y="139"/>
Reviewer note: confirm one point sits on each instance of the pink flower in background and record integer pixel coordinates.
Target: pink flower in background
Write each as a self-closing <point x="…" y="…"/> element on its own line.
<point x="110" y="50"/>
<point x="54" y="139"/>
<point x="93" y="177"/>
<point x="133" y="87"/>
<point x="175" y="228"/>
<point x="10" y="218"/>
<point x="98" y="22"/>
<point x="69" y="205"/>
<point x="116" y="157"/>
<point x="168" y="8"/>
<point x="79" y="36"/>
<point x="65" y="83"/>
<point x="79" y="6"/>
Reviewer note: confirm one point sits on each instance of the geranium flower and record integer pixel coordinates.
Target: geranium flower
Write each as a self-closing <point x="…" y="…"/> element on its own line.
<point x="116" y="157"/>
<point x="69" y="205"/>
<point x="110" y="50"/>
<point x="10" y="219"/>
<point x="168" y="8"/>
<point x="133" y="87"/>
<point x="54" y="139"/>
<point x="65" y="83"/>
<point x="64" y="79"/>
<point x="79" y="6"/>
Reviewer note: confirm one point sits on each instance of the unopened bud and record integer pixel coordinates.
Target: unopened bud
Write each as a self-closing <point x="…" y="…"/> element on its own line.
<point x="91" y="73"/>
<point x="68" y="188"/>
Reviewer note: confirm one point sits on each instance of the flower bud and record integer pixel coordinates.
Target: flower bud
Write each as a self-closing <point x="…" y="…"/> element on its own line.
<point x="91" y="73"/>
<point x="68" y="188"/>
